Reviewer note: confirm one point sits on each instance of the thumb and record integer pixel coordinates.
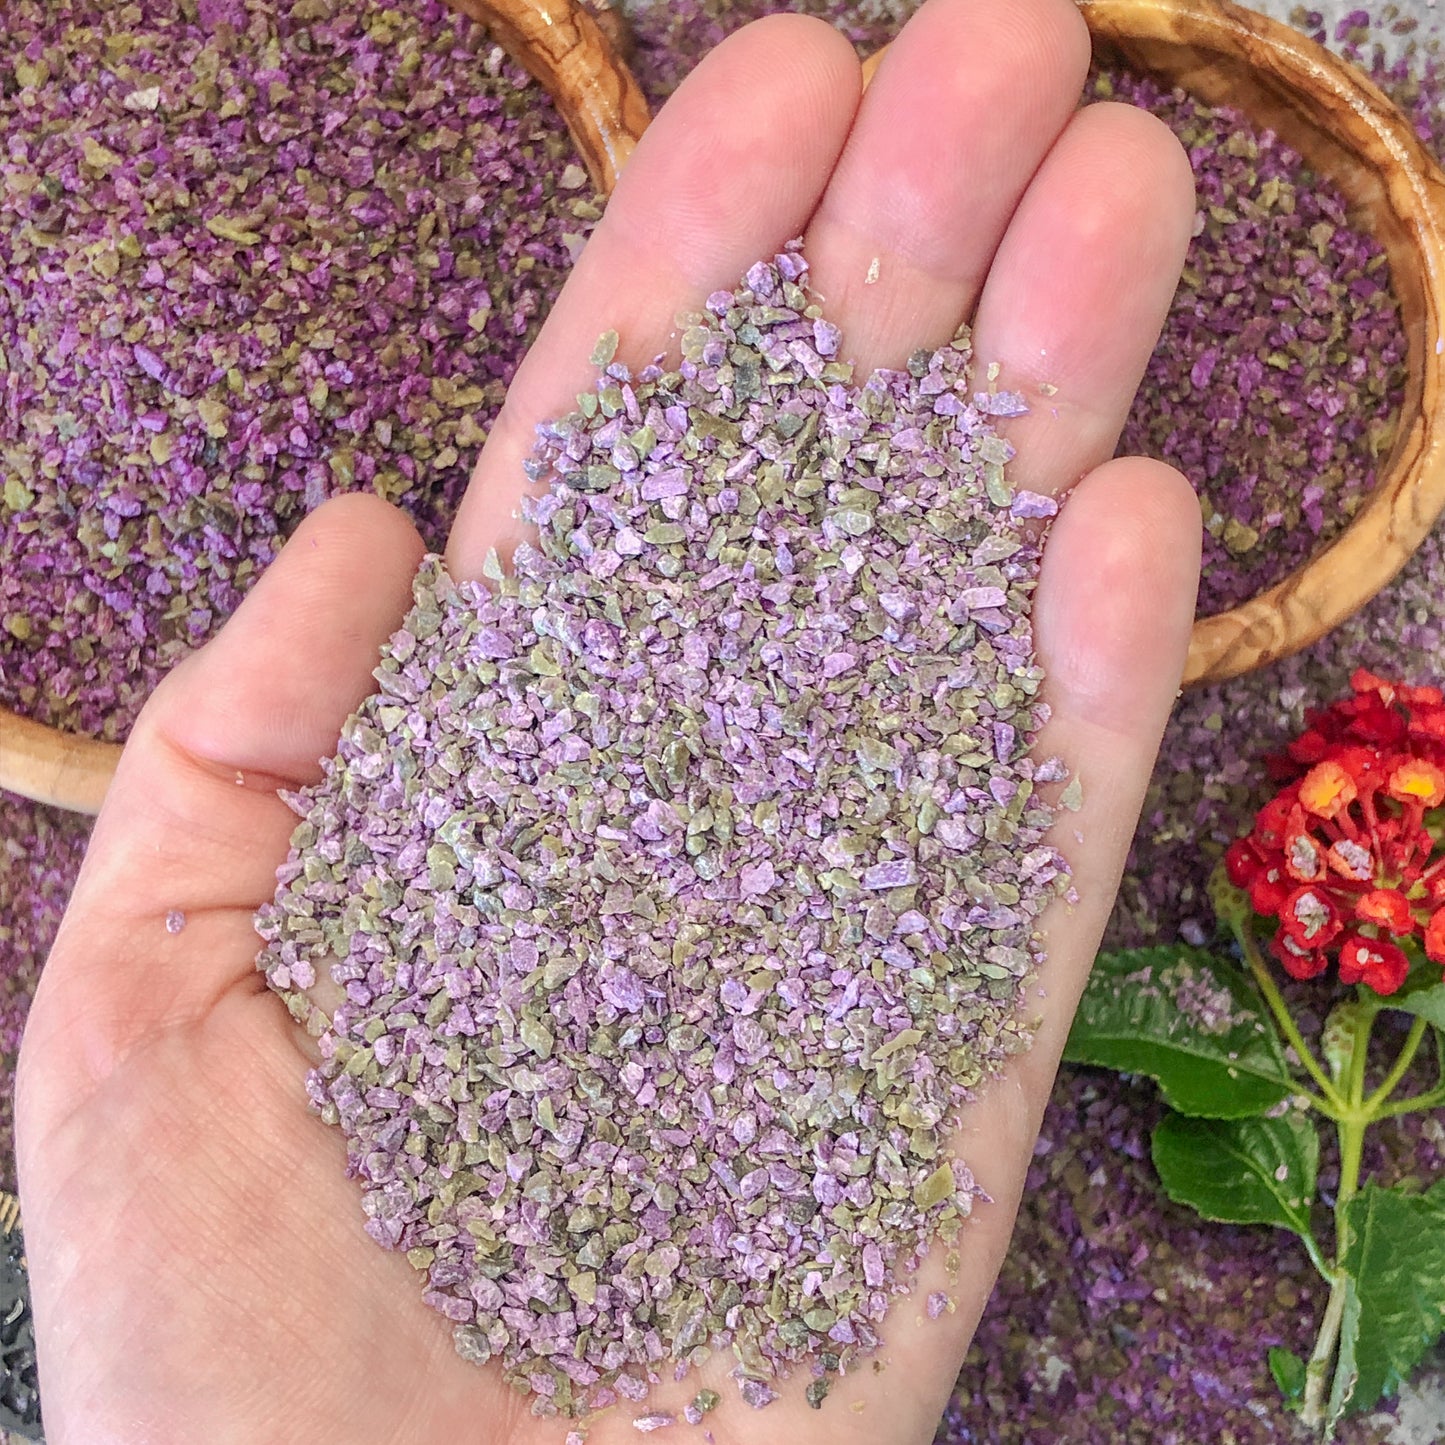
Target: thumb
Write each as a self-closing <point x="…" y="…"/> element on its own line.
<point x="192" y="827"/>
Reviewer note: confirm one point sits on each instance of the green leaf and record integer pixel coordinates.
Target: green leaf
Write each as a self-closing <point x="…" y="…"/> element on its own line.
<point x="1288" y="1371"/>
<point x="1191" y="1021"/>
<point x="1428" y="1003"/>
<point x="1241" y="1171"/>
<point x="1395" y="1256"/>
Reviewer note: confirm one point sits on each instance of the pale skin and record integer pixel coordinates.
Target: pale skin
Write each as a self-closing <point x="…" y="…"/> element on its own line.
<point x="199" y="1266"/>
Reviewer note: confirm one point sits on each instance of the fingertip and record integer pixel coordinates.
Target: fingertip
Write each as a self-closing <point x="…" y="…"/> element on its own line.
<point x="365" y="519"/>
<point x="779" y="36"/>
<point x="1082" y="286"/>
<point x="1047" y="39"/>
<point x="754" y="131"/>
<point x="1116" y="598"/>
<point x="1056" y="32"/>
<point x="271" y="691"/>
<point x="1158" y="140"/>
<point x="1051" y="33"/>
<point x="1137" y="159"/>
<point x="964" y="107"/>
<point x="360" y="553"/>
<point x="1115" y="203"/>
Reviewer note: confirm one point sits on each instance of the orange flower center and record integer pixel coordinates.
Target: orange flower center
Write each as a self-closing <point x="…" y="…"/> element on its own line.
<point x="1418" y="781"/>
<point x="1326" y="790"/>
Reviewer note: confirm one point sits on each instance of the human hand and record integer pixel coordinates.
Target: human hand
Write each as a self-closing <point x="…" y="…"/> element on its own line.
<point x="199" y="1264"/>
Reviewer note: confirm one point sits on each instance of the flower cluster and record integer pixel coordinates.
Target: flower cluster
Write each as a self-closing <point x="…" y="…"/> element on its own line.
<point x="1347" y="855"/>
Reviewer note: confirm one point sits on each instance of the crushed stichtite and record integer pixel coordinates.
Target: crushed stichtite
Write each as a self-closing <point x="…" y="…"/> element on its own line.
<point x="684" y="884"/>
<point x="255" y="253"/>
<point x="1278" y="380"/>
<point x="702" y="1404"/>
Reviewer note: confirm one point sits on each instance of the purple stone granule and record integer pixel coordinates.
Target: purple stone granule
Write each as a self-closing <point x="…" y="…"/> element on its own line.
<point x="671" y="946"/>
<point x="756" y="1393"/>
<point x="253" y="256"/>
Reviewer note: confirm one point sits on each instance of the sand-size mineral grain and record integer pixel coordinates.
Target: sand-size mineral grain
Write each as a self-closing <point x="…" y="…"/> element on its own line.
<point x="683" y="883"/>
<point x="253" y="254"/>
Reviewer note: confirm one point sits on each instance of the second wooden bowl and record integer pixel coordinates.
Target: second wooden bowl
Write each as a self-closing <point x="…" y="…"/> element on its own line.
<point x="1349" y="131"/>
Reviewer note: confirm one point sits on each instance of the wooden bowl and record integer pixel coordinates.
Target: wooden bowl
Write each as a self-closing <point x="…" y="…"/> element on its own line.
<point x="562" y="46"/>
<point x="1346" y="129"/>
<point x="1341" y="123"/>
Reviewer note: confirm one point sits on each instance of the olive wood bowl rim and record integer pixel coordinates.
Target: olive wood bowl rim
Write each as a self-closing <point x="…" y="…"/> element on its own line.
<point x="1409" y="493"/>
<point x="560" y="43"/>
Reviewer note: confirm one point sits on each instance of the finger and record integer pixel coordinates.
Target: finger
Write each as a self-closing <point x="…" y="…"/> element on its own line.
<point x="1113" y="614"/>
<point x="728" y="173"/>
<point x="964" y="107"/>
<point x="192" y="825"/>
<point x="1113" y="617"/>
<point x="1081" y="286"/>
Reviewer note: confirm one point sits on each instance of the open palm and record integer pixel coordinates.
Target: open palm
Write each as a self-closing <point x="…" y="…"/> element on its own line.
<point x="200" y="1269"/>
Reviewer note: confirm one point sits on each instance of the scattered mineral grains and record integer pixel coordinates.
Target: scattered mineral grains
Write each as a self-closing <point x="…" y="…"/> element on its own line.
<point x="1278" y="380"/>
<point x="40" y="854"/>
<point x="19" y="1384"/>
<point x="682" y="884"/>
<point x="254" y="254"/>
<point x="1084" y="1342"/>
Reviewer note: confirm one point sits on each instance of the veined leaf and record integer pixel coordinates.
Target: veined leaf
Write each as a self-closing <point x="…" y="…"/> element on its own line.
<point x="1241" y="1171"/>
<point x="1428" y="1003"/>
<point x="1191" y="1021"/>
<point x="1395" y="1256"/>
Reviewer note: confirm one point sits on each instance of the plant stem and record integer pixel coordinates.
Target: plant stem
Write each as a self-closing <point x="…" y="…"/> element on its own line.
<point x="1351" y="1129"/>
<point x="1321" y="1264"/>
<point x="1432" y="1098"/>
<point x="1317" y="1372"/>
<point x="1407" y="1057"/>
<point x="1355" y="1100"/>
<point x="1288" y="1027"/>
<point x="1415" y="1104"/>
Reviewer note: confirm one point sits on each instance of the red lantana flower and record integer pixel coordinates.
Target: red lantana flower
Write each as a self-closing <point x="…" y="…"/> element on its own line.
<point x="1381" y="966"/>
<point x="1298" y="960"/>
<point x="1382" y="716"/>
<point x="1344" y="854"/>
<point x="1435" y="936"/>
<point x="1388" y="909"/>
